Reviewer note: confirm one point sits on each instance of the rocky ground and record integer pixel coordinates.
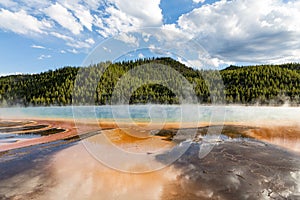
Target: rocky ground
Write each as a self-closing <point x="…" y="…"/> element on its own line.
<point x="237" y="167"/>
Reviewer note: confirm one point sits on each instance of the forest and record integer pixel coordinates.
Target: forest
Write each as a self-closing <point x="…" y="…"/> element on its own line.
<point x="153" y="80"/>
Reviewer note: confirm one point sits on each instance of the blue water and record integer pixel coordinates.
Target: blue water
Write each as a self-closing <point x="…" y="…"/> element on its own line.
<point x="159" y="113"/>
<point x="6" y="138"/>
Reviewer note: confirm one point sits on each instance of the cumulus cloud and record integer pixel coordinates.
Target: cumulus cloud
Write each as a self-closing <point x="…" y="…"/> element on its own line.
<point x="22" y="23"/>
<point x="171" y="34"/>
<point x="117" y="22"/>
<point x="147" y="12"/>
<point x="246" y="30"/>
<point x="81" y="12"/>
<point x="256" y="31"/>
<point x="128" y="38"/>
<point x="63" y="17"/>
<point x="107" y="18"/>
<point x="124" y="16"/>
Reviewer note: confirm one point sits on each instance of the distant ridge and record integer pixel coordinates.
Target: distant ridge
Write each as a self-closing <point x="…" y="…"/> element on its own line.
<point x="231" y="67"/>
<point x="260" y="84"/>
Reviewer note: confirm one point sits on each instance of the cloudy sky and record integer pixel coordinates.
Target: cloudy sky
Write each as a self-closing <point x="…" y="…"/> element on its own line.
<point x="37" y="35"/>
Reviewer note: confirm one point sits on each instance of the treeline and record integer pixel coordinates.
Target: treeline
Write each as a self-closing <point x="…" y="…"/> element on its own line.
<point x="155" y="80"/>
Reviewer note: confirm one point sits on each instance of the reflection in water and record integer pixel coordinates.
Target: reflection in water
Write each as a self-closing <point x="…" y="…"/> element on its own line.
<point x="291" y="144"/>
<point x="18" y="131"/>
<point x="236" y="170"/>
<point x="281" y="135"/>
<point x="131" y="154"/>
<point x="79" y="176"/>
<point x="6" y="138"/>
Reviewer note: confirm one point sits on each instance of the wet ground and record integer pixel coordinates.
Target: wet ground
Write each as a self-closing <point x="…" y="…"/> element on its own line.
<point x="25" y="172"/>
<point x="236" y="170"/>
<point x="237" y="167"/>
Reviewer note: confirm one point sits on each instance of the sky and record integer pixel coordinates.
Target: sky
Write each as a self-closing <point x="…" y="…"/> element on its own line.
<point x="38" y="35"/>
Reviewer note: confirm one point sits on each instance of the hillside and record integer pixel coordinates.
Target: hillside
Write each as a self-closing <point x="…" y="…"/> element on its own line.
<point x="265" y="84"/>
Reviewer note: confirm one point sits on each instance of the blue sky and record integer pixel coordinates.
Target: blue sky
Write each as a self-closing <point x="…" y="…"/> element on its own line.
<point x="37" y="35"/>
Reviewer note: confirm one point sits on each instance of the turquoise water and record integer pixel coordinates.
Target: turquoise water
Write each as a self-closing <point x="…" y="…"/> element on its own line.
<point x="159" y="113"/>
<point x="138" y="113"/>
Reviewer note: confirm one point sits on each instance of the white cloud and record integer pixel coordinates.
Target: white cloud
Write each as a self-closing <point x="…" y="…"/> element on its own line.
<point x="93" y="4"/>
<point x="78" y="44"/>
<point x="90" y="41"/>
<point x="230" y="31"/>
<point x="107" y="49"/>
<point x="42" y="57"/>
<point x="63" y="51"/>
<point x="76" y="17"/>
<point x="74" y="51"/>
<point x="192" y="63"/>
<point x="98" y="22"/>
<point x="9" y="74"/>
<point x="117" y="21"/>
<point x="128" y="38"/>
<point x="36" y="4"/>
<point x="81" y="12"/>
<point x="246" y="30"/>
<point x="37" y="47"/>
<point x="152" y="47"/>
<point x="63" y="17"/>
<point x="22" y="23"/>
<point x="198" y="1"/>
<point x="170" y="33"/>
<point x="124" y="16"/>
<point x="42" y="17"/>
<point x="71" y="42"/>
<point x="147" y="12"/>
<point x="61" y="36"/>
<point x="217" y="62"/>
<point x="8" y="3"/>
<point x="85" y="17"/>
<point x="204" y="62"/>
<point x="146" y="36"/>
<point x="141" y="55"/>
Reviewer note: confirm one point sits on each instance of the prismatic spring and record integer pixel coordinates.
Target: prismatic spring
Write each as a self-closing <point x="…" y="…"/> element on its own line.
<point x="45" y="154"/>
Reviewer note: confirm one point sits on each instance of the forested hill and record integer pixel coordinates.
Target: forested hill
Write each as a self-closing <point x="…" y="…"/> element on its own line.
<point x="266" y="85"/>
